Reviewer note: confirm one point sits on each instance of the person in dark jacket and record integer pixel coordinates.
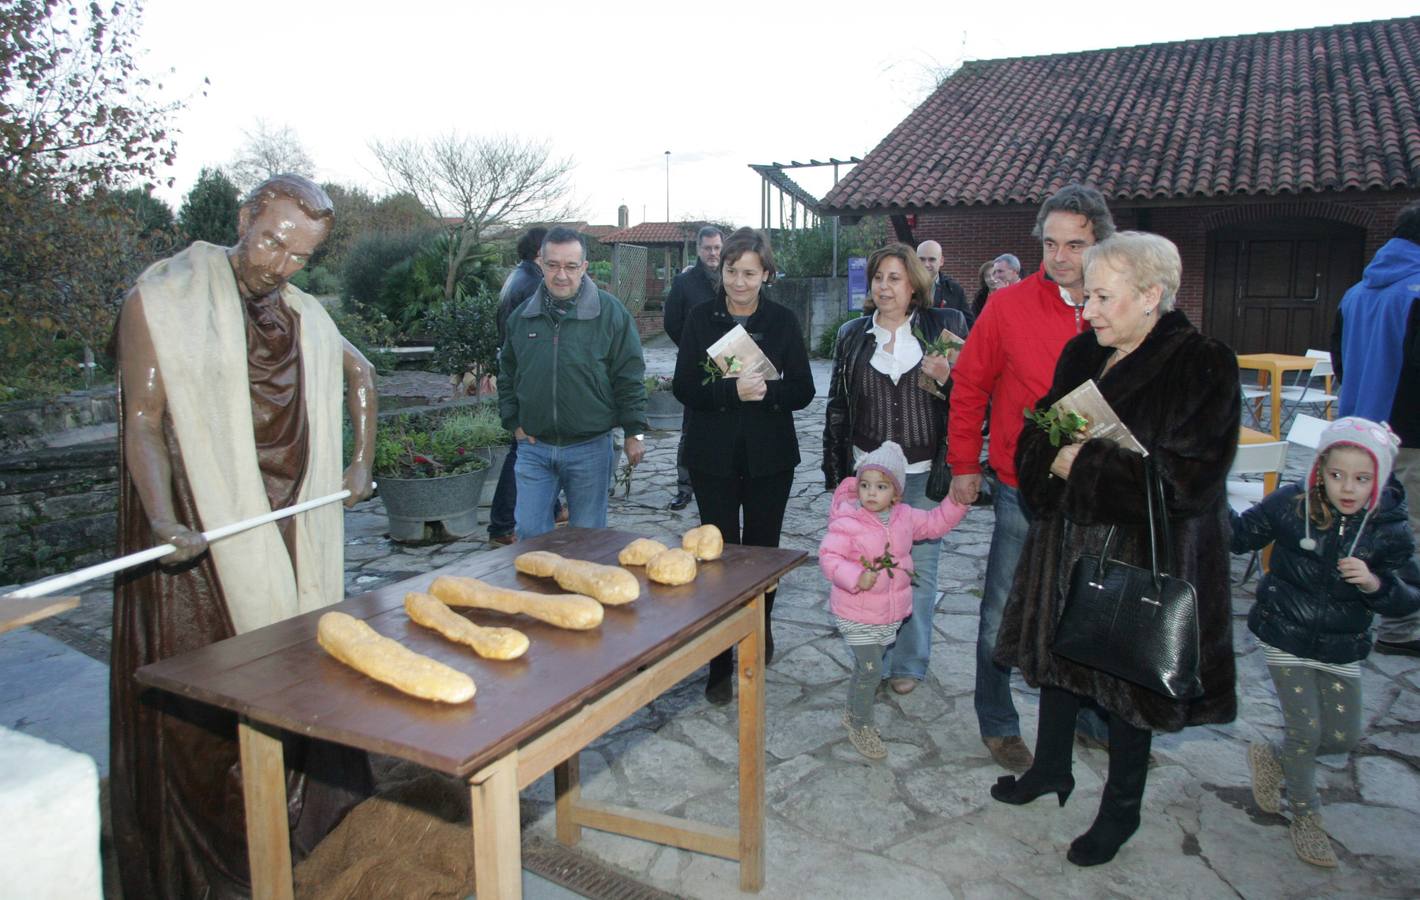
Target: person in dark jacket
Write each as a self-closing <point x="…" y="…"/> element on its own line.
<point x="1340" y="543"/>
<point x="520" y="284"/>
<point x="947" y="292"/>
<point x="741" y="448"/>
<point x="688" y="290"/>
<point x="876" y="394"/>
<point x="1178" y="393"/>
<point x="570" y="371"/>
<point x="1375" y="350"/>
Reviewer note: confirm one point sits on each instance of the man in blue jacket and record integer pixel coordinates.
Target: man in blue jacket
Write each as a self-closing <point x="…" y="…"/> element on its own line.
<point x="570" y="371"/>
<point x="1375" y="350"/>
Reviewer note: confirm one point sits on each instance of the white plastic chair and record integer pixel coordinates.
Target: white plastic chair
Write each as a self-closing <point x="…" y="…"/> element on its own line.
<point x="1254" y="459"/>
<point x="1305" y="392"/>
<point x="1306" y="431"/>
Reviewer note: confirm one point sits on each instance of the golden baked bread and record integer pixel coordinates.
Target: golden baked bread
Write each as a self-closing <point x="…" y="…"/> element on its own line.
<point x="705" y="542"/>
<point x="571" y="611"/>
<point x="639" y="552"/>
<point x="489" y="643"/>
<point x="672" y="567"/>
<point x="363" y="649"/>
<point x="611" y="585"/>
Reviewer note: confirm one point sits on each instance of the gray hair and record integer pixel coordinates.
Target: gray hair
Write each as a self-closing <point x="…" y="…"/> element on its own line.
<point x="1081" y="199"/>
<point x="705" y="233"/>
<point x="1009" y="259"/>
<point x="1147" y="259"/>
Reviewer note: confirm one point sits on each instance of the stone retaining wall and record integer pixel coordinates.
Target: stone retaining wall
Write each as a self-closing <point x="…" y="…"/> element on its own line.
<point x="57" y="510"/>
<point x="24" y="423"/>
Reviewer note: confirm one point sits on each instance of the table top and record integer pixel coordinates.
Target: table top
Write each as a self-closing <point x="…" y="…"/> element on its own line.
<point x="1253" y="436"/>
<point x="1275" y="362"/>
<point x="280" y="676"/>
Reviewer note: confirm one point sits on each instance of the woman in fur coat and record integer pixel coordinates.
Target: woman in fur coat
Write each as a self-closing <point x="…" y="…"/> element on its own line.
<point x="1178" y="392"/>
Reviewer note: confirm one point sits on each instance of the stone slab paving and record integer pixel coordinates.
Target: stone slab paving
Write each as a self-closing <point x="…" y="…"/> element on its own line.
<point x="921" y="822"/>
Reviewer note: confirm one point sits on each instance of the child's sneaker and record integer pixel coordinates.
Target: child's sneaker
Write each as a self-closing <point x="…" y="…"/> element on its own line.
<point x="1266" y="776"/>
<point x="865" y="739"/>
<point x="1310" y="841"/>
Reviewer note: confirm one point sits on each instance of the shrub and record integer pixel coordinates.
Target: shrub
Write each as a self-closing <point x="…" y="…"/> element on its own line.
<point x="808" y="252"/>
<point x="370" y="333"/>
<point x="465" y="334"/>
<point x="370" y="257"/>
<point x="828" y="337"/>
<point x="409" y="447"/>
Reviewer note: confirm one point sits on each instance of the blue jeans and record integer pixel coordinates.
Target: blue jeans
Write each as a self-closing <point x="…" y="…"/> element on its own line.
<point x="995" y="710"/>
<point x="502" y="510"/>
<point x="582" y="471"/>
<point x="907" y="658"/>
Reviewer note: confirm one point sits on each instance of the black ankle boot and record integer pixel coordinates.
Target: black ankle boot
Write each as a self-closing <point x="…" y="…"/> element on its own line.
<point x="1123" y="796"/>
<point x="720" y="687"/>
<point x="1023" y="790"/>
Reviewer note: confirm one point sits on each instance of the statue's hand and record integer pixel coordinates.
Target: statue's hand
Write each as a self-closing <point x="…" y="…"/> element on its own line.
<point x="358" y="482"/>
<point x="190" y="544"/>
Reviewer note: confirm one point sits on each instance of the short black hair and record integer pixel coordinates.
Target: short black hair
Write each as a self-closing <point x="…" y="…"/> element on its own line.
<point x="1407" y="226"/>
<point x="561" y="234"/>
<point x="705" y="233"/>
<point x="530" y="244"/>
<point x="1081" y="199"/>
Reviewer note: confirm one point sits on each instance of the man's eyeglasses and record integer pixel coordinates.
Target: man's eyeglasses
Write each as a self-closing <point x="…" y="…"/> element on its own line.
<point x="558" y="268"/>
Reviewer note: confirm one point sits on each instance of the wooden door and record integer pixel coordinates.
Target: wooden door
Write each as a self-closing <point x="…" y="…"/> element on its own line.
<point x="1274" y="287"/>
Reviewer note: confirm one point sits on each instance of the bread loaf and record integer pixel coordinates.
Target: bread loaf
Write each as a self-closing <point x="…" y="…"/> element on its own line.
<point x="570" y="611"/>
<point x="672" y="567"/>
<point x="489" y="643"/>
<point x="705" y="542"/>
<point x="639" y="552"/>
<point x="360" y="647"/>
<point x="611" y="585"/>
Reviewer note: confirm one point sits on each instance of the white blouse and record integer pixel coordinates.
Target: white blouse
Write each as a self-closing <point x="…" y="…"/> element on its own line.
<point x="906" y="352"/>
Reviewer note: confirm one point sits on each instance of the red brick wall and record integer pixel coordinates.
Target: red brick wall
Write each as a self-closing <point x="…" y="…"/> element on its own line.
<point x="972" y="235"/>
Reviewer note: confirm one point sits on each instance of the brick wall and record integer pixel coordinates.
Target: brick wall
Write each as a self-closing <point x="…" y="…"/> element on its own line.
<point x="972" y="235"/>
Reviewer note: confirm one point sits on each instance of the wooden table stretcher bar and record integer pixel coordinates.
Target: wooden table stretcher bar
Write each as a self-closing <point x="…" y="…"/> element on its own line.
<point x="530" y="715"/>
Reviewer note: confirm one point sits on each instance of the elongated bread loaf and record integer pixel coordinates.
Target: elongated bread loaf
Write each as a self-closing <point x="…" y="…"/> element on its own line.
<point x="611" y="585"/>
<point x="639" y="552"/>
<point x="489" y="643"/>
<point x="706" y="542"/>
<point x="571" y="611"/>
<point x="674" y="566"/>
<point x="360" y="647"/>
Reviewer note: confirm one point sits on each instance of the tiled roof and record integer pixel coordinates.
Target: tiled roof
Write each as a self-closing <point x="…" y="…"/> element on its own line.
<point x="1320" y="109"/>
<point x="597" y="232"/>
<point x="653" y="233"/>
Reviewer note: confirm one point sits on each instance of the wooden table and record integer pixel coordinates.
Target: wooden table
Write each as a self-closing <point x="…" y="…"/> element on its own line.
<point x="1270" y="369"/>
<point x="1253" y="436"/>
<point x="530" y="715"/>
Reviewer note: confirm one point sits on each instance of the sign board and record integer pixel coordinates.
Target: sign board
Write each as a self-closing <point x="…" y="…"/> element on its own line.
<point x="857" y="281"/>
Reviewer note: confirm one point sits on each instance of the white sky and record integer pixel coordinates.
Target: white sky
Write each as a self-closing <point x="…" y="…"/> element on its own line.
<point x="616" y="84"/>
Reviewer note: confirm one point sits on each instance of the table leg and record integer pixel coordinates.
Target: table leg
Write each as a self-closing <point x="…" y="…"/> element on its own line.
<point x="751" y="697"/>
<point x="497" y="831"/>
<point x="1276" y="386"/>
<point x="567" y="782"/>
<point x="268" y="832"/>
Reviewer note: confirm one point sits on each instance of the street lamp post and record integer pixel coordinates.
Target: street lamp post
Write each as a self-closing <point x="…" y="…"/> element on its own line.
<point x="668" y="185"/>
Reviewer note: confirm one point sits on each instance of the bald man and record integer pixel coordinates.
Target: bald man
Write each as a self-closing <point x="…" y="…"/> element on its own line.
<point x="948" y="294"/>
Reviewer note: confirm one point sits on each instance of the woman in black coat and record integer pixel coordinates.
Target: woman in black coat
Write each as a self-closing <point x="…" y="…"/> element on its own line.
<point x="741" y="447"/>
<point x="1178" y="393"/>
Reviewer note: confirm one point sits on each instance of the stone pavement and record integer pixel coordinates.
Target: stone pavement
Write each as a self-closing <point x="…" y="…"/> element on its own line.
<point x="919" y="823"/>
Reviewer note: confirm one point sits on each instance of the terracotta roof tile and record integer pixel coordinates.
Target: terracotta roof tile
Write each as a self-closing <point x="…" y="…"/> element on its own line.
<point x="654" y="233"/>
<point x="1320" y="109"/>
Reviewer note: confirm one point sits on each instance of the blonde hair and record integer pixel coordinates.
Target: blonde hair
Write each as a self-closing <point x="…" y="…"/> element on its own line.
<point x="1148" y="260"/>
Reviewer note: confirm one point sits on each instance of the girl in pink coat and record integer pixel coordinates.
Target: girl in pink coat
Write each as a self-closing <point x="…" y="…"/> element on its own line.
<point x="867" y="558"/>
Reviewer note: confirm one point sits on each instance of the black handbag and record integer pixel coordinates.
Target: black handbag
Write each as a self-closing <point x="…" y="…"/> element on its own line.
<point x="1140" y="625"/>
<point x="939" y="479"/>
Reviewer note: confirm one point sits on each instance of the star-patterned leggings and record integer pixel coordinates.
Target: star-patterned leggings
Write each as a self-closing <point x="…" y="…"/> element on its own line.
<point x="1322" y="712"/>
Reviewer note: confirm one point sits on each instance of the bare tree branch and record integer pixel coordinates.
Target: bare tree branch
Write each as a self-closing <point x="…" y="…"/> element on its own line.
<point x="471" y="185"/>
<point x="269" y="151"/>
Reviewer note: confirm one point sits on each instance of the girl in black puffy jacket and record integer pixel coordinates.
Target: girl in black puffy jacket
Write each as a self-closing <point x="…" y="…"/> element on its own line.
<point x="1343" y="552"/>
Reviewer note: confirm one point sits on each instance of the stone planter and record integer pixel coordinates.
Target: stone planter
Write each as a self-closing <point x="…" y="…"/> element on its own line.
<point x="420" y="508"/>
<point x="495" y="456"/>
<point x="663" y="411"/>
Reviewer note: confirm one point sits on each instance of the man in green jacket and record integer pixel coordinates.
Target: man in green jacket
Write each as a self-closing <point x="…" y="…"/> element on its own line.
<point x="570" y="371"/>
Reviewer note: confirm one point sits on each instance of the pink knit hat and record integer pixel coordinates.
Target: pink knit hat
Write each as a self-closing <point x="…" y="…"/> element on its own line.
<point x="888" y="459"/>
<point x="1377" y="440"/>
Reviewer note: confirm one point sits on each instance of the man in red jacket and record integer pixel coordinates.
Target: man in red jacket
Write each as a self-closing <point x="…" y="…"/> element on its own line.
<point x="1007" y="365"/>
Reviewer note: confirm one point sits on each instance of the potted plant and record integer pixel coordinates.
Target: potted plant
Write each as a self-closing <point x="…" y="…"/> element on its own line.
<point x="430" y="476"/>
<point x="663" y="410"/>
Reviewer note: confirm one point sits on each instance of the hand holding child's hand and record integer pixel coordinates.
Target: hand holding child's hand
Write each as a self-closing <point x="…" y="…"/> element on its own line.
<point x="1355" y="571"/>
<point x="867" y="580"/>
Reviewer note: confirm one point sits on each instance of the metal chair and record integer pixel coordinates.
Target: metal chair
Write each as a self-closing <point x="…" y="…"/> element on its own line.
<point x="1305" y="392"/>
<point x="1254" y="459"/>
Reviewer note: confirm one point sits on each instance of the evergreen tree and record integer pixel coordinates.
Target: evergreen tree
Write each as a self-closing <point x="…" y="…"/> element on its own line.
<point x="209" y="211"/>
